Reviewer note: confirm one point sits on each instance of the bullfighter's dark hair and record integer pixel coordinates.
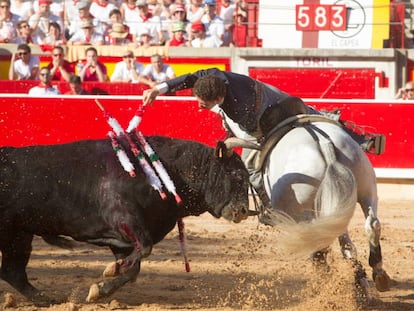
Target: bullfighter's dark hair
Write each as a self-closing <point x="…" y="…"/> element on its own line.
<point x="209" y="88"/>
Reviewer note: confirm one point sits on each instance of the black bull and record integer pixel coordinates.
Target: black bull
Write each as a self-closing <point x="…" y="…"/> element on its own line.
<point x="80" y="190"/>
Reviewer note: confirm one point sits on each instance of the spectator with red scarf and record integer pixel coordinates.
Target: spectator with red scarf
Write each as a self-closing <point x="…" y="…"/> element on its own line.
<point x="60" y="69"/>
<point x="145" y="20"/>
<point x="178" y="39"/>
<point x="100" y="9"/>
<point x="44" y="87"/>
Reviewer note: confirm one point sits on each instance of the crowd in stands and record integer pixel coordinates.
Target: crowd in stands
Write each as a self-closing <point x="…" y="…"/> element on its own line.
<point x="25" y="66"/>
<point x="129" y="23"/>
<point x="134" y="23"/>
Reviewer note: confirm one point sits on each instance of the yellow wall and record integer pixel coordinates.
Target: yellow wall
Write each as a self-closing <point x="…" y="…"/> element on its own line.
<point x="380" y="23"/>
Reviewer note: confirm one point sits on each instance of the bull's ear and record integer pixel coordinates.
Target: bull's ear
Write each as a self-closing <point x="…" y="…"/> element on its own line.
<point x="222" y="151"/>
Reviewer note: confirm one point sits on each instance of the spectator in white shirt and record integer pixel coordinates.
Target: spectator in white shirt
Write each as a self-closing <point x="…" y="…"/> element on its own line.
<point x="82" y="14"/>
<point x="129" y="12"/>
<point x="100" y="10"/>
<point x="157" y="71"/>
<point x="22" y="8"/>
<point x="148" y="21"/>
<point x="8" y="22"/>
<point x="44" y="87"/>
<point x="129" y="70"/>
<point x="226" y="11"/>
<point x="87" y="35"/>
<point x="71" y="14"/>
<point x="39" y="22"/>
<point x="23" y="65"/>
<point x="212" y="22"/>
<point x="201" y="40"/>
<point x="195" y="10"/>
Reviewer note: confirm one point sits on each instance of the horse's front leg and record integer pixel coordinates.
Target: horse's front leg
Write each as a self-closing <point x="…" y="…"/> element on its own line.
<point x="373" y="229"/>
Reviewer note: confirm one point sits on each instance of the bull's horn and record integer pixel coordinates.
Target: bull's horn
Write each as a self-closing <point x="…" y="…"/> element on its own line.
<point x="234" y="142"/>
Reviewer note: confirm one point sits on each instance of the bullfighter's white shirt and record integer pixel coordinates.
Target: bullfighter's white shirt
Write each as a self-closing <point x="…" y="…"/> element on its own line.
<point x="229" y="124"/>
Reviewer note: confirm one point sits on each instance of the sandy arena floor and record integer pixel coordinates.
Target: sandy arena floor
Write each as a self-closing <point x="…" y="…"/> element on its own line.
<point x="234" y="267"/>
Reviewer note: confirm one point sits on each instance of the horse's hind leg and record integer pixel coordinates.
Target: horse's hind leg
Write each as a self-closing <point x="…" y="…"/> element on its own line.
<point x="348" y="248"/>
<point x="319" y="260"/>
<point x="349" y="252"/>
<point x="373" y="230"/>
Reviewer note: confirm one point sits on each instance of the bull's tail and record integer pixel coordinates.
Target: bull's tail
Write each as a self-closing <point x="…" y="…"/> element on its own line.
<point x="335" y="203"/>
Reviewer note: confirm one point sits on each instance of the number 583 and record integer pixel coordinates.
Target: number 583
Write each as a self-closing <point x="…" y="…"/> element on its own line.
<point x="320" y="17"/>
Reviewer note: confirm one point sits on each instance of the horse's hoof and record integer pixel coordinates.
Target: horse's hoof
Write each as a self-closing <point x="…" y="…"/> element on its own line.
<point x="382" y="281"/>
<point x="93" y="293"/>
<point x="111" y="270"/>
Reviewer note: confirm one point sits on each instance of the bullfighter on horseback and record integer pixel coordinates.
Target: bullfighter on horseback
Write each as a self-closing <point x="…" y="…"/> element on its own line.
<point x="250" y="109"/>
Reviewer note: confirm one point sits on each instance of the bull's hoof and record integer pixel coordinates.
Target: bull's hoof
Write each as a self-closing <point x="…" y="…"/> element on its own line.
<point x="111" y="270"/>
<point x="9" y="301"/>
<point x="93" y="293"/>
<point x="382" y="281"/>
<point x="41" y="300"/>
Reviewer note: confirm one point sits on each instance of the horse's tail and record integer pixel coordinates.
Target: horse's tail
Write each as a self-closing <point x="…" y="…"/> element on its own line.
<point x="334" y="205"/>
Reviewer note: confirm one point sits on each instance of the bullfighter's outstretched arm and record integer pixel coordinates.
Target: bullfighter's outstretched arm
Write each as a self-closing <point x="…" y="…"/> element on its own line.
<point x="183" y="82"/>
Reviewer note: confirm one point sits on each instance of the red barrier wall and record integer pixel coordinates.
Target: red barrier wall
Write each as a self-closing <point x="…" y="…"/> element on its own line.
<point x="27" y="121"/>
<point x="394" y="119"/>
<point x="345" y="83"/>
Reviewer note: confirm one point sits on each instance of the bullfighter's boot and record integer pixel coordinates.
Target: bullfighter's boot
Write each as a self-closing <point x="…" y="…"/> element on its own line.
<point x="371" y="143"/>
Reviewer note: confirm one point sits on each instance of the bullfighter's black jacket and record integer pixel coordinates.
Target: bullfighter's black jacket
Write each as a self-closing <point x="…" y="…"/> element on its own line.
<point x="243" y="103"/>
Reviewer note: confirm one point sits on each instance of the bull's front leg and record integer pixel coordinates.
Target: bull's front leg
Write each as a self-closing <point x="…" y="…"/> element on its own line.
<point x="141" y="250"/>
<point x="109" y="286"/>
<point x="124" y="269"/>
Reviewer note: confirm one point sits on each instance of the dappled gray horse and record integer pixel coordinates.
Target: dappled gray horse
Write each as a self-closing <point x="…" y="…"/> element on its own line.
<point x="314" y="176"/>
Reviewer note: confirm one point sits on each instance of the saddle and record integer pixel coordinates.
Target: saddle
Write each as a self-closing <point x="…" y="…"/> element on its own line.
<point x="276" y="134"/>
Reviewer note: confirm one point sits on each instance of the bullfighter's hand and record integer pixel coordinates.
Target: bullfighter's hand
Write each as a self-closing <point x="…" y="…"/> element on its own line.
<point x="149" y="95"/>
